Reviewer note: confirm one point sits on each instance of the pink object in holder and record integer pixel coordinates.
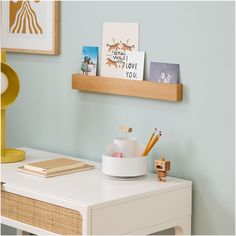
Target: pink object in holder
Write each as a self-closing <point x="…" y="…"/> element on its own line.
<point x="117" y="154"/>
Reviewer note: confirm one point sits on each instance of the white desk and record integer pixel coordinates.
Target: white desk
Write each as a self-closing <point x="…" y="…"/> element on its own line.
<point x="106" y="206"/>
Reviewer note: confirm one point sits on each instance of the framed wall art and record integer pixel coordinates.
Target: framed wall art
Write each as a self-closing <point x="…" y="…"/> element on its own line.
<point x="31" y="26"/>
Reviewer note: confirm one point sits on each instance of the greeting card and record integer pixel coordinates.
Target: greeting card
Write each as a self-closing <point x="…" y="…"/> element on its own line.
<point x="134" y="64"/>
<point x="118" y="39"/>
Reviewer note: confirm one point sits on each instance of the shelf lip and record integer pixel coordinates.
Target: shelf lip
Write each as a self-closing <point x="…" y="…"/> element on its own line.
<point x="125" y="87"/>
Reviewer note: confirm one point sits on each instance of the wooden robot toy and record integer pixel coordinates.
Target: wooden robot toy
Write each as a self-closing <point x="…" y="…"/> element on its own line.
<point x="162" y="166"/>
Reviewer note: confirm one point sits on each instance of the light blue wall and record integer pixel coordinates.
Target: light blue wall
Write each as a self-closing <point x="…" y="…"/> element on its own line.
<point x="198" y="133"/>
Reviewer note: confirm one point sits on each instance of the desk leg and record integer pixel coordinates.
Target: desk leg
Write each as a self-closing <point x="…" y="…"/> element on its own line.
<point x="20" y="232"/>
<point x="183" y="226"/>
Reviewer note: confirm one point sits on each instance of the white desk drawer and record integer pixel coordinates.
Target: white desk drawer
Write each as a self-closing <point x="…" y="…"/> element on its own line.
<point x="136" y="214"/>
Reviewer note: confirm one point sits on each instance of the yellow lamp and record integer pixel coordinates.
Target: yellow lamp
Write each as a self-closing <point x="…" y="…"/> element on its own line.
<point x="10" y="87"/>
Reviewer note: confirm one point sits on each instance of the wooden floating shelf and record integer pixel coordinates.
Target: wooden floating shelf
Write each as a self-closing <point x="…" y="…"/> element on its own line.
<point x="144" y="89"/>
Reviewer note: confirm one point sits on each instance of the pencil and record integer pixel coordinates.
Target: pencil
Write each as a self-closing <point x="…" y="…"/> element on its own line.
<point x="151" y="145"/>
<point x="146" y="148"/>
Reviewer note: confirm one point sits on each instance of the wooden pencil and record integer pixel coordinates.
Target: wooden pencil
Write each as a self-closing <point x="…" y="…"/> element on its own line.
<point x="150" y="140"/>
<point x="155" y="139"/>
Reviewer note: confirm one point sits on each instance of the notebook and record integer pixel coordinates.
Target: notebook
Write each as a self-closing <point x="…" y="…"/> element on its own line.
<point x="52" y="166"/>
<point x="63" y="172"/>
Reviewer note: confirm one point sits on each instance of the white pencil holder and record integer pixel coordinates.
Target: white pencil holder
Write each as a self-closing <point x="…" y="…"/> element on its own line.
<point x="134" y="166"/>
<point x="124" y="167"/>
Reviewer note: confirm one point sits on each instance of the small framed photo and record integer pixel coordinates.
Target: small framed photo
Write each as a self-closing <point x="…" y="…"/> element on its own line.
<point x="89" y="60"/>
<point x="164" y="73"/>
<point x="31" y="26"/>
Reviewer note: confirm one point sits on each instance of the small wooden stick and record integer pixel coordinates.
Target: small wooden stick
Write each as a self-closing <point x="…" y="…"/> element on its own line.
<point x="125" y="129"/>
<point x="162" y="158"/>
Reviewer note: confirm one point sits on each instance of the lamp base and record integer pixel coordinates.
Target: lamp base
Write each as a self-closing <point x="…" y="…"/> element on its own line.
<point x="13" y="155"/>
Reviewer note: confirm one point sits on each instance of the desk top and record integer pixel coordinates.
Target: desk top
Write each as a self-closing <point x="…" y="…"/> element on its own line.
<point x="84" y="189"/>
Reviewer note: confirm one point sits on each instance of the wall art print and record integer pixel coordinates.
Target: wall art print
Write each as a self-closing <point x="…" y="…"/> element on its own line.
<point x="31" y="26"/>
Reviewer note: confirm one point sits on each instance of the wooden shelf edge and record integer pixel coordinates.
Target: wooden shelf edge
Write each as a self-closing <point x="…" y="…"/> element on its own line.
<point x="143" y="89"/>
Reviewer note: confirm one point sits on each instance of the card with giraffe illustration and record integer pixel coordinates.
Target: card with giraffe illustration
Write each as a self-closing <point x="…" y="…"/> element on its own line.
<point x="118" y="39"/>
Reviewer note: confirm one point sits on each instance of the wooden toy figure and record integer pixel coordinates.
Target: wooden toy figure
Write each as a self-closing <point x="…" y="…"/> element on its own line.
<point x="162" y="166"/>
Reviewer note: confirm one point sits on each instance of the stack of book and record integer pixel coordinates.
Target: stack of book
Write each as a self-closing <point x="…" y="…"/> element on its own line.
<point x="55" y="167"/>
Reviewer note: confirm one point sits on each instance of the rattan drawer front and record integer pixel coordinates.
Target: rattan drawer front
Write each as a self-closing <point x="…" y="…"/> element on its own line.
<point x="40" y="214"/>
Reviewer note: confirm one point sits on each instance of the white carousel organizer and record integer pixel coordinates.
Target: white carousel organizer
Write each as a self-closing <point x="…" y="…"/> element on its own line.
<point x="125" y="167"/>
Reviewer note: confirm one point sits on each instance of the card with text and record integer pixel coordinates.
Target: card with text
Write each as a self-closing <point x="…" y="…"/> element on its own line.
<point x="118" y="39"/>
<point x="134" y="64"/>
